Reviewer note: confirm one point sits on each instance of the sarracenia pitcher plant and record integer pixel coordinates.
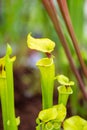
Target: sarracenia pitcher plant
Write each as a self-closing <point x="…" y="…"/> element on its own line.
<point x="64" y="90"/>
<point x="51" y="117"/>
<point x="10" y="122"/>
<point x="46" y="67"/>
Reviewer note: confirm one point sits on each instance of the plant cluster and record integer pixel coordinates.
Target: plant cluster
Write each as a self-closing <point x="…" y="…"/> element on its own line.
<point x="52" y="117"/>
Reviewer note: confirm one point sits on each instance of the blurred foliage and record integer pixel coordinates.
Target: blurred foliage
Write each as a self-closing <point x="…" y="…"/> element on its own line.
<point x="77" y="16"/>
<point x="17" y="18"/>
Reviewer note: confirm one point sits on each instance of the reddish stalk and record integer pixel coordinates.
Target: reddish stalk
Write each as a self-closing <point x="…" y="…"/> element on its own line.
<point x="53" y="15"/>
<point x="64" y="10"/>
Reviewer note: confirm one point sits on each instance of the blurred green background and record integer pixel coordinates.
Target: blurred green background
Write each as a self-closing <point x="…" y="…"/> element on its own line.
<point x="20" y="17"/>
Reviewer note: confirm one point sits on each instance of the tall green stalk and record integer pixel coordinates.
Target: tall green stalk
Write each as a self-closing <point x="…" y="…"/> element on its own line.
<point x="47" y="70"/>
<point x="64" y="93"/>
<point x="7" y="91"/>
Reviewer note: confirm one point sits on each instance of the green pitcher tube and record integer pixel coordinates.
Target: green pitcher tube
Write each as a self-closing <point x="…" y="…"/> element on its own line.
<point x="47" y="71"/>
<point x="7" y="91"/>
<point x="64" y="93"/>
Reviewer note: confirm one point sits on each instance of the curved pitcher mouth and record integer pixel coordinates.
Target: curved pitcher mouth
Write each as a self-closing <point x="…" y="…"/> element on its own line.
<point x="45" y="62"/>
<point x="65" y="90"/>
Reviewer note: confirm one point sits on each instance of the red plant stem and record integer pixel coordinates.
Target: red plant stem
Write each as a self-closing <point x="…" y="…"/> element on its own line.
<point x="64" y="9"/>
<point x="52" y="13"/>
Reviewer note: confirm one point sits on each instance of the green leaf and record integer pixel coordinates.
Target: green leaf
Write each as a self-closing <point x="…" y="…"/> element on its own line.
<point x="61" y="112"/>
<point x="75" y="123"/>
<point x="37" y="121"/>
<point x="49" y="126"/>
<point x="18" y="121"/>
<point x="57" y="112"/>
<point x="40" y="44"/>
<point x="85" y="127"/>
<point x="63" y="80"/>
<point x="57" y="125"/>
<point x="48" y="114"/>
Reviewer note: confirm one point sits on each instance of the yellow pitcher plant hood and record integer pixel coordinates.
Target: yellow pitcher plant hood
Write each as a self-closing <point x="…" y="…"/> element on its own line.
<point x="40" y="44"/>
